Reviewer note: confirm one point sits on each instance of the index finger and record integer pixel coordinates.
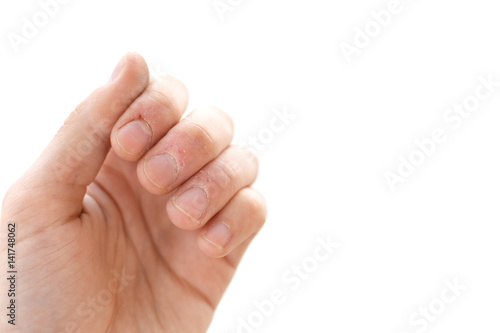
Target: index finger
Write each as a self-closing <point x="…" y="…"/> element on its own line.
<point x="149" y="117"/>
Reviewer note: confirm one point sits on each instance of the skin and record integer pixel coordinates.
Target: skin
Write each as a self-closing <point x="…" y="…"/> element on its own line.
<point x="105" y="241"/>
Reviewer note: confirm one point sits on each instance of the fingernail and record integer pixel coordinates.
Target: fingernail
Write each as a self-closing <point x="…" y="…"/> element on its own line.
<point x="161" y="170"/>
<point x="218" y="235"/>
<point x="118" y="69"/>
<point x="192" y="203"/>
<point x="135" y="137"/>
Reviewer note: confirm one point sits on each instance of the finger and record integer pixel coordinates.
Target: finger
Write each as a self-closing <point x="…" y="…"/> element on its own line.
<point x="79" y="149"/>
<point x="186" y="148"/>
<point x="238" y="222"/>
<point x="73" y="158"/>
<point x="149" y="117"/>
<point x="210" y="189"/>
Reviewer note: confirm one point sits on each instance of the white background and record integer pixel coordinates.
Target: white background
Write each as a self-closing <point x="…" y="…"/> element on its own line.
<point x="324" y="174"/>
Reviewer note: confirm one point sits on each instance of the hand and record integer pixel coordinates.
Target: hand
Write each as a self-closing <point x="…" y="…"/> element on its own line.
<point x="131" y="220"/>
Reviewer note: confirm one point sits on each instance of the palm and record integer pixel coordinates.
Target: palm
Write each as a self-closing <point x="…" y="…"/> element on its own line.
<point x="171" y="276"/>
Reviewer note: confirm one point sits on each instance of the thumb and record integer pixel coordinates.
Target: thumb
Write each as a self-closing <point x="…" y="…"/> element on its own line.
<point x="75" y="155"/>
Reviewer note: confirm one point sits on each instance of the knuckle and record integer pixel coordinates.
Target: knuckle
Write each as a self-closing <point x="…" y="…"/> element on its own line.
<point x="223" y="175"/>
<point x="225" y="117"/>
<point x="201" y="139"/>
<point x="173" y="83"/>
<point x="170" y="83"/>
<point x="248" y="156"/>
<point x="219" y="113"/>
<point x="256" y="204"/>
<point x="165" y="100"/>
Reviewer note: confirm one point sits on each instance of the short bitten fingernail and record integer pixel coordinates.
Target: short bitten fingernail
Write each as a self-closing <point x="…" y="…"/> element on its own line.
<point x="218" y="235"/>
<point x="161" y="170"/>
<point x="135" y="137"/>
<point x="192" y="203"/>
